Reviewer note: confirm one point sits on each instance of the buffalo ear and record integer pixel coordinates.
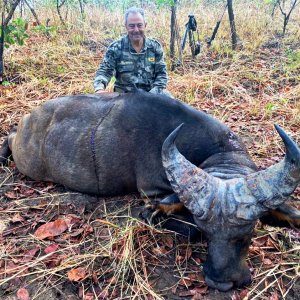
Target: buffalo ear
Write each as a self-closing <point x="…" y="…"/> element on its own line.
<point x="194" y="187"/>
<point x="283" y="216"/>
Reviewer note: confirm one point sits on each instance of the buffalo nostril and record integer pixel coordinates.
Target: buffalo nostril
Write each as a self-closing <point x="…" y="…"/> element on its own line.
<point x="221" y="286"/>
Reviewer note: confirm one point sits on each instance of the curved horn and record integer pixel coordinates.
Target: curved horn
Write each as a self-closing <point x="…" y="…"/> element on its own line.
<point x="195" y="188"/>
<point x="292" y="149"/>
<point x="272" y="186"/>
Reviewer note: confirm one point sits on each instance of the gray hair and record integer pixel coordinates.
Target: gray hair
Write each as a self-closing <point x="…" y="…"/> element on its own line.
<point x="134" y="10"/>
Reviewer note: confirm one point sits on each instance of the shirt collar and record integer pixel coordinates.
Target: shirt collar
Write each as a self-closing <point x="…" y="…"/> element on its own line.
<point x="147" y="44"/>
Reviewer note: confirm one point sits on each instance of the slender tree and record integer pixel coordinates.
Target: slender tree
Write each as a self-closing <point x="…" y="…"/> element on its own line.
<point x="2" y="49"/>
<point x="234" y="36"/>
<point x="286" y="15"/>
<point x="174" y="38"/>
<point x="58" y="7"/>
<point x="81" y="5"/>
<point x="173" y="33"/>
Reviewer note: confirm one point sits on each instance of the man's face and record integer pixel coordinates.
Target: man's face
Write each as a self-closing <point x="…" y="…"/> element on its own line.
<point x="135" y="27"/>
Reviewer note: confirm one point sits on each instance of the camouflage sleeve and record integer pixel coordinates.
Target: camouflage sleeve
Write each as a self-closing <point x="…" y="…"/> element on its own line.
<point x="161" y="76"/>
<point x="106" y="69"/>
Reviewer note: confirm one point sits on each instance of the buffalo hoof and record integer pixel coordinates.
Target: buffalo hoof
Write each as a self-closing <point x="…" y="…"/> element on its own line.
<point x="5" y="153"/>
<point x="182" y="224"/>
<point x="151" y="214"/>
<point x="221" y="286"/>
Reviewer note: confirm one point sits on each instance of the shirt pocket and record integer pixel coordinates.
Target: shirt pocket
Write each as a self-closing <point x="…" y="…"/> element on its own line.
<point x="125" y="68"/>
<point x="150" y="65"/>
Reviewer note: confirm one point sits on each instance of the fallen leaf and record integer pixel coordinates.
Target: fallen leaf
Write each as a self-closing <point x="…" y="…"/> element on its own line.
<point x="53" y="261"/>
<point x="196" y="291"/>
<point x="185" y="282"/>
<point x="89" y="296"/>
<point x="179" y="258"/>
<point x="112" y="280"/>
<point x="160" y="251"/>
<point x="95" y="277"/>
<point x="88" y="229"/>
<point x="197" y="297"/>
<point x="104" y="234"/>
<point x="188" y="252"/>
<point x="29" y="192"/>
<point x="51" y="248"/>
<point x="198" y="260"/>
<point x="71" y="220"/>
<point x="196" y="277"/>
<point x="267" y="262"/>
<point x="244" y="294"/>
<point x="259" y="65"/>
<point x="17" y="218"/>
<point x="51" y="229"/>
<point x="22" y="294"/>
<point x="274" y="296"/>
<point x="11" y="268"/>
<point x="11" y="195"/>
<point x="115" y="293"/>
<point x="76" y="274"/>
<point x="260" y="241"/>
<point x="29" y="255"/>
<point x="168" y="241"/>
<point x="174" y="288"/>
<point x="80" y="291"/>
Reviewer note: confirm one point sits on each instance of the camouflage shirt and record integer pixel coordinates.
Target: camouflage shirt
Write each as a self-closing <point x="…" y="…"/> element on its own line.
<point x="146" y="69"/>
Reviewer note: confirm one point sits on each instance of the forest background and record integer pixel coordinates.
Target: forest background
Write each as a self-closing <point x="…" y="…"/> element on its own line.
<point x="53" y="48"/>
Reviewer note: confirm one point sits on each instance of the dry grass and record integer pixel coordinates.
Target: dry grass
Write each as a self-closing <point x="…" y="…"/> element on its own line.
<point x="249" y="90"/>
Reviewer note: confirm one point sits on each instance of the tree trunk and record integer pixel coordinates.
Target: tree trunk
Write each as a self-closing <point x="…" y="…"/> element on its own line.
<point x="274" y="8"/>
<point x="58" y="6"/>
<point x="2" y="49"/>
<point x="81" y="4"/>
<point x="286" y="16"/>
<point x="11" y="12"/>
<point x="22" y="9"/>
<point x="234" y="36"/>
<point x="33" y="13"/>
<point x="173" y="35"/>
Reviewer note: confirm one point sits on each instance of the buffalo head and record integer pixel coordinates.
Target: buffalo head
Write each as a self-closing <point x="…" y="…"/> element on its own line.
<point x="226" y="210"/>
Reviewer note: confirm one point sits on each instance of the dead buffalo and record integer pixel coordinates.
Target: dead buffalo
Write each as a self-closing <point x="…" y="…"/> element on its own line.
<point x="114" y="144"/>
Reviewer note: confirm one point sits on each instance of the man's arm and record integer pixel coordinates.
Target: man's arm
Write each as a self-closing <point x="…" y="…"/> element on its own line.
<point x="161" y="76"/>
<point x="106" y="69"/>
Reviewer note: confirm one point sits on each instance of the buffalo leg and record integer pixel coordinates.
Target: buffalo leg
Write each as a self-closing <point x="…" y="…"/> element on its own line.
<point x="283" y="216"/>
<point x="169" y="205"/>
<point x="5" y="153"/>
<point x="5" y="149"/>
<point x="172" y="215"/>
